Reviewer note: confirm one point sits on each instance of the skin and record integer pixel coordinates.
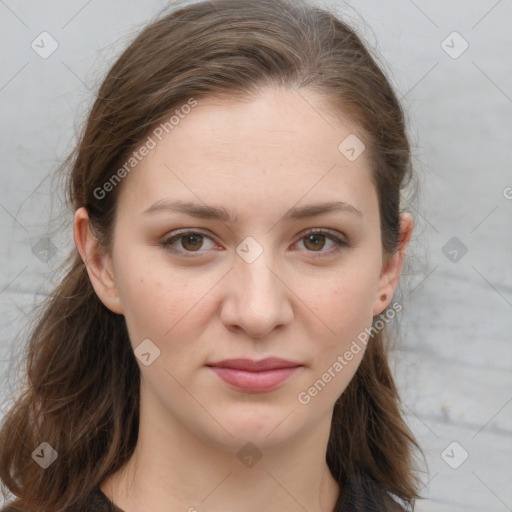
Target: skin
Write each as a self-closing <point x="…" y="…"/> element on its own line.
<point x="257" y="158"/>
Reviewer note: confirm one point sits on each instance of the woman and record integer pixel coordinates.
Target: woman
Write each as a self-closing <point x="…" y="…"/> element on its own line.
<point x="217" y="343"/>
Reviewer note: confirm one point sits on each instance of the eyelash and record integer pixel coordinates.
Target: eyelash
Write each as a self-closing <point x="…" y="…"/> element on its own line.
<point x="339" y="243"/>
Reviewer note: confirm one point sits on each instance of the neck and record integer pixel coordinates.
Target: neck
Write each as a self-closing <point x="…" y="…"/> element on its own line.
<point x="172" y="469"/>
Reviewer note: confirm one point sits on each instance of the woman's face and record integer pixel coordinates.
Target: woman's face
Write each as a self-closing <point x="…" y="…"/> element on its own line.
<point x="253" y="271"/>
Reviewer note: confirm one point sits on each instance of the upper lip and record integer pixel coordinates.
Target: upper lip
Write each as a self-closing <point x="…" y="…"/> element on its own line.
<point x="270" y="363"/>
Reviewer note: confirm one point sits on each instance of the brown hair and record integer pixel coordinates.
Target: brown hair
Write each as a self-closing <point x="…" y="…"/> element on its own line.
<point x="82" y="379"/>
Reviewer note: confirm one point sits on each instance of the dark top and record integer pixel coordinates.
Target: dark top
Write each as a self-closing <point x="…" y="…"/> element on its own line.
<point x="354" y="498"/>
<point x="96" y="502"/>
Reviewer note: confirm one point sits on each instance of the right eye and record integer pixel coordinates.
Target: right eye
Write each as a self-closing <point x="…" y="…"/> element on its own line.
<point x="190" y="241"/>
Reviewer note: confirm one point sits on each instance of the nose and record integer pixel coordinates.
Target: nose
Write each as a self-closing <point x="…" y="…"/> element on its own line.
<point x="258" y="298"/>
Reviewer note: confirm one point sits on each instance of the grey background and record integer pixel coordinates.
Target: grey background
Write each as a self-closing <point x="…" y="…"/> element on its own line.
<point x="453" y="363"/>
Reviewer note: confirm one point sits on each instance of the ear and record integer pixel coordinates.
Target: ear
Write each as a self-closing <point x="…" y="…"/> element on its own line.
<point x="392" y="267"/>
<point x="97" y="261"/>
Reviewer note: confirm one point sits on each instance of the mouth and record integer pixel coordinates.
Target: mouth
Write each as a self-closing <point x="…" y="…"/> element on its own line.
<point x="255" y="376"/>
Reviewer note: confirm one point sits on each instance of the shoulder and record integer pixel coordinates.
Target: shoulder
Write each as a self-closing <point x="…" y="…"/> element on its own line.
<point x="95" y="502"/>
<point x="98" y="502"/>
<point x="364" y="494"/>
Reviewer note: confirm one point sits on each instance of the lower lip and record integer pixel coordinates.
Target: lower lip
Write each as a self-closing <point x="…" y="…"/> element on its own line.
<point x="254" y="381"/>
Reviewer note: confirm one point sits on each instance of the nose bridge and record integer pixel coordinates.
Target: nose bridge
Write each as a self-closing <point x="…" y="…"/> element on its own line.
<point x="258" y="284"/>
<point x="257" y="279"/>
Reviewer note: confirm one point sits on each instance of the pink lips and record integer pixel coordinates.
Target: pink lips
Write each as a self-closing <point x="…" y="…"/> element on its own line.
<point x="254" y="376"/>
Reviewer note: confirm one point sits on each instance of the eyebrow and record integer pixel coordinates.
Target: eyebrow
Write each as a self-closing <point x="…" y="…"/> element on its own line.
<point x="204" y="211"/>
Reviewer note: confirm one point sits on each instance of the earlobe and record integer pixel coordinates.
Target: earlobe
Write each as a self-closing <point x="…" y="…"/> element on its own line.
<point x="97" y="262"/>
<point x="392" y="269"/>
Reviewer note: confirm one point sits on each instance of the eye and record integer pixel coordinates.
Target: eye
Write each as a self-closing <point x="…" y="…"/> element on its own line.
<point x="315" y="240"/>
<point x="190" y="241"/>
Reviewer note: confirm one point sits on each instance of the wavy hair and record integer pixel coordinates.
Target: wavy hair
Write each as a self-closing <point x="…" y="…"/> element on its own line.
<point x="81" y="392"/>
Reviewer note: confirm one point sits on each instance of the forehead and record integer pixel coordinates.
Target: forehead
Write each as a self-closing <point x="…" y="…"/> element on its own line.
<point x="282" y="146"/>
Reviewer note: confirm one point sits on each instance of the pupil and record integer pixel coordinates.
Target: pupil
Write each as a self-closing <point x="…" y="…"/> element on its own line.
<point x="194" y="240"/>
<point x="314" y="240"/>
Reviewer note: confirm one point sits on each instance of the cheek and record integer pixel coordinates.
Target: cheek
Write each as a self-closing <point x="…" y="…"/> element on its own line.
<point x="345" y="305"/>
<point x="346" y="308"/>
<point x="347" y="300"/>
<point x="154" y="298"/>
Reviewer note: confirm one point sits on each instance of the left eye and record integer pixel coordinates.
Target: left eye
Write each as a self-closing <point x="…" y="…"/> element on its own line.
<point x="314" y="241"/>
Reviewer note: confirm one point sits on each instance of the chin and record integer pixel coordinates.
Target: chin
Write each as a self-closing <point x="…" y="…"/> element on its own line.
<point x="258" y="425"/>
